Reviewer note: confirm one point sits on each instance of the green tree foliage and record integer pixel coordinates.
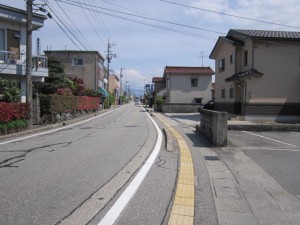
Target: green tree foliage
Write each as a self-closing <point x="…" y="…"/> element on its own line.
<point x="90" y="92"/>
<point x="11" y="91"/>
<point x="56" y="79"/>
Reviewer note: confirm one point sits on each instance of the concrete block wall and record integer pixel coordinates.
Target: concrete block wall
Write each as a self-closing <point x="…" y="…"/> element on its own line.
<point x="214" y="126"/>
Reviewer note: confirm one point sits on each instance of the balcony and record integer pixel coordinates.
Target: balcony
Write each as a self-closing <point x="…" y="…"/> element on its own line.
<point x="13" y="64"/>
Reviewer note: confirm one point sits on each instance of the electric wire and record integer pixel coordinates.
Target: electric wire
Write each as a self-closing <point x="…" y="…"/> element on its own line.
<point x="231" y="15"/>
<point x="75" y="26"/>
<point x="71" y="2"/>
<point x="93" y="22"/>
<point x="102" y="24"/>
<point x="60" y="26"/>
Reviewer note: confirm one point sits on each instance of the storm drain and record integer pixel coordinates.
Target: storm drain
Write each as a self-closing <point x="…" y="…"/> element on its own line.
<point x="211" y="158"/>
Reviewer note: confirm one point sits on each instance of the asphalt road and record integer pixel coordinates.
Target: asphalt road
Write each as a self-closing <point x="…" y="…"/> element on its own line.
<point x="73" y="173"/>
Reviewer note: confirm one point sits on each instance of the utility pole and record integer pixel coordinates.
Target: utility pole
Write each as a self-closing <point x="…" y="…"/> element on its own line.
<point x="29" y="57"/>
<point x="109" y="57"/>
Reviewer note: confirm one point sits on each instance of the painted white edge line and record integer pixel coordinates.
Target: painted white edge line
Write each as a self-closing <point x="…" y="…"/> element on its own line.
<point x="54" y="130"/>
<point x="295" y="133"/>
<point x="114" y="212"/>
<point x="269" y="138"/>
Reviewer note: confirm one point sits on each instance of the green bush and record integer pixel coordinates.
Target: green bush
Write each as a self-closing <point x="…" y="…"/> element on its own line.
<point x="18" y="123"/>
<point x="11" y="92"/>
<point x="159" y="101"/>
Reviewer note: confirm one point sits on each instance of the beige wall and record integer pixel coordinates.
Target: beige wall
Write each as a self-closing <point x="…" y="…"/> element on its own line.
<point x="225" y="50"/>
<point x="90" y="72"/>
<point x="280" y="63"/>
<point x="113" y="83"/>
<point x="180" y="90"/>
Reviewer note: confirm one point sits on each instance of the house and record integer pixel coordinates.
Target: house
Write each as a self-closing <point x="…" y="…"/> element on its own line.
<point x="159" y="85"/>
<point x="258" y="74"/>
<point x="114" y="87"/>
<point x="13" y="48"/>
<point x="87" y="65"/>
<point x="187" y="88"/>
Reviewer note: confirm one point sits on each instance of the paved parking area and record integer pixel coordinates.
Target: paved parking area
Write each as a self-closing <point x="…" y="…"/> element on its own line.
<point x="278" y="153"/>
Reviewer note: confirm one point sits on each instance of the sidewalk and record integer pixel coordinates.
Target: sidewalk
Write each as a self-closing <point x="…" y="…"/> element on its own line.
<point x="243" y="192"/>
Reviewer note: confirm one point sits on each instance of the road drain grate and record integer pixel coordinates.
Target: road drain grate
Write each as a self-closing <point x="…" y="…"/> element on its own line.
<point x="211" y="158"/>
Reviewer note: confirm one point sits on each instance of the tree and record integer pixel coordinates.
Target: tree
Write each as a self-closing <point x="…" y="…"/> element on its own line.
<point x="56" y="79"/>
<point x="11" y="92"/>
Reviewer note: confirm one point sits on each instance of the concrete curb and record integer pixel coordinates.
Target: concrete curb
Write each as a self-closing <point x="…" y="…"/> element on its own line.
<point x="50" y="127"/>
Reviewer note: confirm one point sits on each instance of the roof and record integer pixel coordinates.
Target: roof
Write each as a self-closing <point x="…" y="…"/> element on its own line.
<point x="188" y="70"/>
<point x="49" y="52"/>
<point x="266" y="34"/>
<point x="158" y="79"/>
<point x="19" y="16"/>
<point x="238" y="36"/>
<point x="248" y="73"/>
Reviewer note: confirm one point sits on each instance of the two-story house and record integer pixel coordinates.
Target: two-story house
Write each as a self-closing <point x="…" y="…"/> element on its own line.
<point x="187" y="88"/>
<point x="13" y="48"/>
<point x="87" y="65"/>
<point x="258" y="74"/>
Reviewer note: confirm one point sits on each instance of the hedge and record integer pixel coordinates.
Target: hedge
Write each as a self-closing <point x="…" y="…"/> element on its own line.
<point x="13" y="111"/>
<point x="57" y="104"/>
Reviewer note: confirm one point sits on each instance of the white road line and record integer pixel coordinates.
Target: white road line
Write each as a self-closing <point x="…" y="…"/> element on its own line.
<point x="115" y="211"/>
<point x="270" y="139"/>
<point x="295" y="133"/>
<point x="51" y="131"/>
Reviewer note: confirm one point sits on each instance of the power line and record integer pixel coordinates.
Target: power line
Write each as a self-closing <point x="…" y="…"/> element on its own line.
<point x="68" y="28"/>
<point x="91" y="23"/>
<point x="102" y="24"/>
<point x="74" y="24"/>
<point x="62" y="27"/>
<point x="227" y="14"/>
<point x="71" y="2"/>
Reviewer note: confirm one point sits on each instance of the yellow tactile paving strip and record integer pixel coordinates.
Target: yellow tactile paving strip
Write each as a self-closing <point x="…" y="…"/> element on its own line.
<point x="183" y="206"/>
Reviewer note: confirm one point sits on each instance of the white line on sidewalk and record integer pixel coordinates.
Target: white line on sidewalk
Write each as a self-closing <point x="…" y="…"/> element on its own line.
<point x="270" y="139"/>
<point x="115" y="211"/>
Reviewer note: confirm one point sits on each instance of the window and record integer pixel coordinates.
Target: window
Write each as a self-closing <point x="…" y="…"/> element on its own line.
<point x="221" y="65"/>
<point x="198" y="100"/>
<point x="77" y="62"/>
<point x="232" y="58"/>
<point x="223" y="93"/>
<point x="231" y="91"/>
<point x="245" y="58"/>
<point x="194" y="82"/>
<point x="2" y="44"/>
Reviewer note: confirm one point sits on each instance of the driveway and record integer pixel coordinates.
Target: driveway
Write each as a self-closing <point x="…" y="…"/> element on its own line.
<point x="278" y="153"/>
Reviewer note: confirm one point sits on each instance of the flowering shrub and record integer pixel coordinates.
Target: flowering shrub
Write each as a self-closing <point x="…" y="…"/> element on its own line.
<point x="64" y="91"/>
<point x="13" y="110"/>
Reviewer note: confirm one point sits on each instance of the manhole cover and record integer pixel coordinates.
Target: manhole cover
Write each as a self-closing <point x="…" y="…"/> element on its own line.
<point x="212" y="158"/>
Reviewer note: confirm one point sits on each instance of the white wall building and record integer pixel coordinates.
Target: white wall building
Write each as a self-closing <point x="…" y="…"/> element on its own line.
<point x="13" y="48"/>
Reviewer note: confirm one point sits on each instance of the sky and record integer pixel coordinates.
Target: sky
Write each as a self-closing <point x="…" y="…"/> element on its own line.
<point x="147" y="35"/>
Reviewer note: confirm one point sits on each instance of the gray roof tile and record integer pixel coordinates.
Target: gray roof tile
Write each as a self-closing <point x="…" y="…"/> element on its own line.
<point x="266" y="34"/>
